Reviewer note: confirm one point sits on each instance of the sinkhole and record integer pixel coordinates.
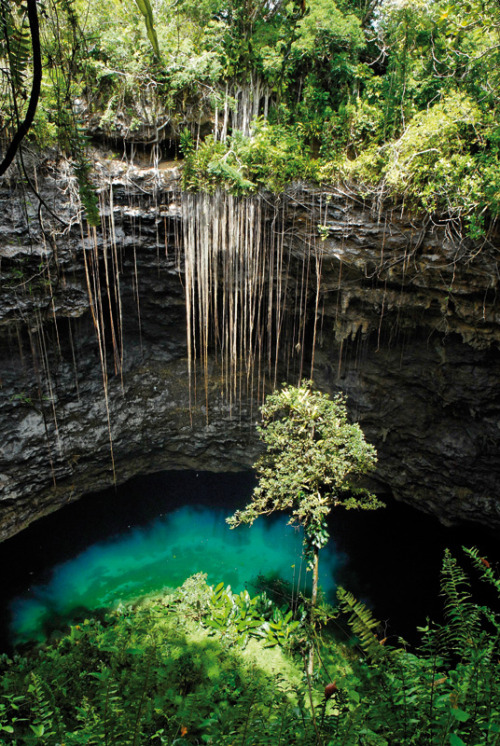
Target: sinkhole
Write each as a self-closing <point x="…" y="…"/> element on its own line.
<point x="155" y="531"/>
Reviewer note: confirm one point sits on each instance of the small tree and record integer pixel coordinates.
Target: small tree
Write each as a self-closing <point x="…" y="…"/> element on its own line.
<point x="313" y="455"/>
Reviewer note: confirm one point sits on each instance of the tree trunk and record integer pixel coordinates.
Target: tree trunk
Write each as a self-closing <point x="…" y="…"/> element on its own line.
<point x="314" y="596"/>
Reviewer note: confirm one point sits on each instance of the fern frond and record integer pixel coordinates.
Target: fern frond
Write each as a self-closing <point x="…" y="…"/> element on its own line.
<point x="110" y="707"/>
<point x="483" y="567"/>
<point x="362" y="623"/>
<point x="44" y="717"/>
<point x="462" y="615"/>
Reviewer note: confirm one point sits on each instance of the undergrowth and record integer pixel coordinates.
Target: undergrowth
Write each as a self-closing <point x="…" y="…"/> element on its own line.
<point x="203" y="665"/>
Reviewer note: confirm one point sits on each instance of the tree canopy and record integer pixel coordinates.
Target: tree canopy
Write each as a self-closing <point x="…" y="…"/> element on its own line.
<point x="400" y="97"/>
<point x="313" y="459"/>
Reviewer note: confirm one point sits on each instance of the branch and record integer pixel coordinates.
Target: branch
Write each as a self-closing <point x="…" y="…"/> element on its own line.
<point x="35" y="89"/>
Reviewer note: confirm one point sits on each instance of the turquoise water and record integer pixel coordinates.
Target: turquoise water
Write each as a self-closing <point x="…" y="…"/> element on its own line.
<point x="163" y="554"/>
<point x="111" y="546"/>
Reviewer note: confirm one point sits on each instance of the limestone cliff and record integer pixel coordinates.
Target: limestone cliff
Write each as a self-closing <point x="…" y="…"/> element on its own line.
<point x="401" y="313"/>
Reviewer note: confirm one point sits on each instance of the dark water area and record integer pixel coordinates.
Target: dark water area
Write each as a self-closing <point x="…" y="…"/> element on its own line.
<point x="156" y="530"/>
<point x="394" y="560"/>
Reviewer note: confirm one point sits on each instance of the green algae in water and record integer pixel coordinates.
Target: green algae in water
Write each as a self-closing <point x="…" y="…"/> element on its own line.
<point x="163" y="554"/>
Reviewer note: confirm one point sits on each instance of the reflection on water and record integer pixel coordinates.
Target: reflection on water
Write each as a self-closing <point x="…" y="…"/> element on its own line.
<point x="164" y="553"/>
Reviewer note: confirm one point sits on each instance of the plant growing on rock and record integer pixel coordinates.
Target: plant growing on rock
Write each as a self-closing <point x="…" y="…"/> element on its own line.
<point x="312" y="459"/>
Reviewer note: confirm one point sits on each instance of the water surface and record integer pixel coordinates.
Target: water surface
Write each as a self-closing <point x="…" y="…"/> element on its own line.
<point x="97" y="554"/>
<point x="163" y="554"/>
<point x="157" y="530"/>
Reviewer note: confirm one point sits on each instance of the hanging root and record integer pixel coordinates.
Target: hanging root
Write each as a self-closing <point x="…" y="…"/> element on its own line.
<point x="238" y="276"/>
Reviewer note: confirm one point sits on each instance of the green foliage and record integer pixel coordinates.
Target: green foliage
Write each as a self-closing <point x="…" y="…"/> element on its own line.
<point x="439" y="161"/>
<point x="362" y="623"/>
<point x="271" y="158"/>
<point x="398" y="97"/>
<point x="312" y="460"/>
<point x="434" y="144"/>
<point x="463" y="616"/>
<point x="161" y="672"/>
<point x="324" y="29"/>
<point x="204" y="665"/>
<point x="63" y="50"/>
<point x="447" y="694"/>
<point x="15" y="42"/>
<point x="241" y="617"/>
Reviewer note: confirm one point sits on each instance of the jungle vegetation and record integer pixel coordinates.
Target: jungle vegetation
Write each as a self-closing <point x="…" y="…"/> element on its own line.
<point x="202" y="665"/>
<point x="205" y="665"/>
<point x="394" y="97"/>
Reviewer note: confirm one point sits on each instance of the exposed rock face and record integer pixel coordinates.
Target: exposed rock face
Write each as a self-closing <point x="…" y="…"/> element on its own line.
<point x="408" y="327"/>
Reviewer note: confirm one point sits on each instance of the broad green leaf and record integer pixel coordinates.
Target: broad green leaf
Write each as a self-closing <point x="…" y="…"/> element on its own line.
<point x="460" y="715"/>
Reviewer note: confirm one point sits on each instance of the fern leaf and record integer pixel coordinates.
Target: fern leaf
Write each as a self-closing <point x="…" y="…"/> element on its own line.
<point x="483" y="567"/>
<point x="462" y="615"/>
<point x="362" y="623"/>
<point x="43" y="715"/>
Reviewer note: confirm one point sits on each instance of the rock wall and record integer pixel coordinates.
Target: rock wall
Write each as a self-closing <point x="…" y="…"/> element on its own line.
<point x="407" y="325"/>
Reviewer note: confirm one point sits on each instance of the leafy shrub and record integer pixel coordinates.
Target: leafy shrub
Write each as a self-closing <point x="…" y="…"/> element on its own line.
<point x="151" y="673"/>
<point x="448" y="692"/>
<point x="271" y="158"/>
